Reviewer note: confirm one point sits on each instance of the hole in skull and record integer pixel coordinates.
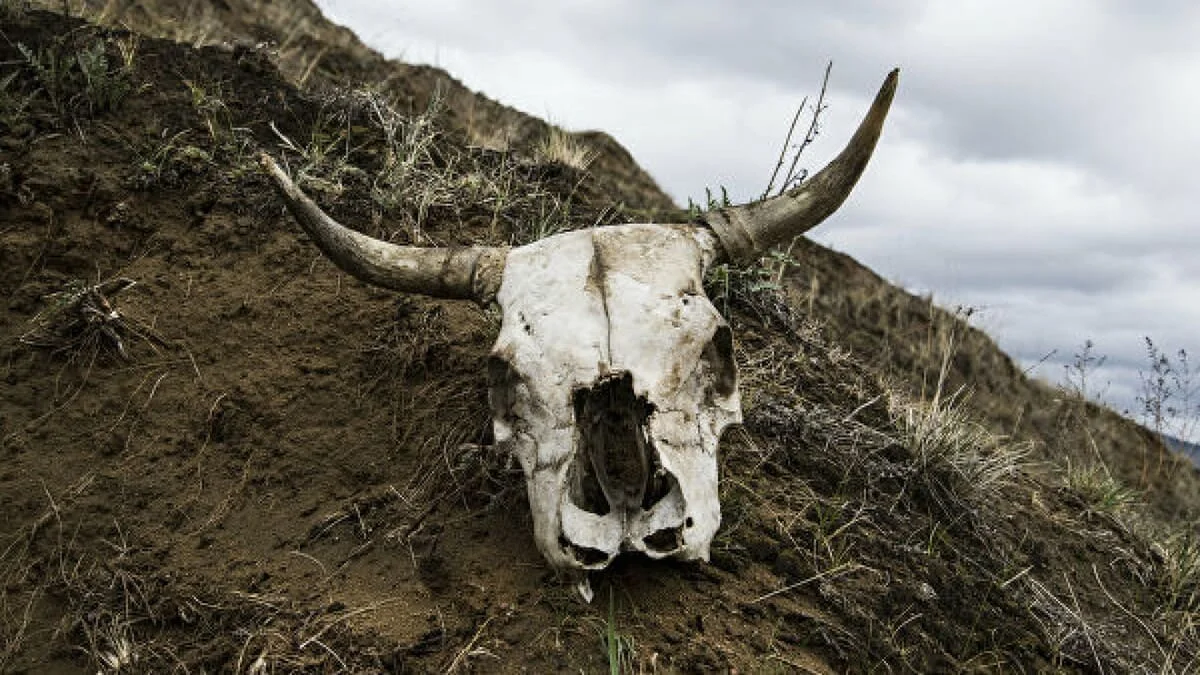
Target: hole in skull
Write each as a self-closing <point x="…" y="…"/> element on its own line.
<point x="501" y="378"/>
<point x="719" y="357"/>
<point x="659" y="484"/>
<point x="588" y="494"/>
<point x="664" y="540"/>
<point x="616" y="466"/>
<point x="584" y="554"/>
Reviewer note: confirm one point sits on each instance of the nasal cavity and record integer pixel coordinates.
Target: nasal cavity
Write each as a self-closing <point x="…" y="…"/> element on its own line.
<point x="616" y="462"/>
<point x="664" y="541"/>
<point x="584" y="555"/>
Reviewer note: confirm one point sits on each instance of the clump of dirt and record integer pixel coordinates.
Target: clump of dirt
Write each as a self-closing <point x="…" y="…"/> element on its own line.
<point x="296" y="472"/>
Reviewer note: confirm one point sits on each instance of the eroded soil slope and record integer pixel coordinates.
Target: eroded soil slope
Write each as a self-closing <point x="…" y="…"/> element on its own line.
<point x="290" y="471"/>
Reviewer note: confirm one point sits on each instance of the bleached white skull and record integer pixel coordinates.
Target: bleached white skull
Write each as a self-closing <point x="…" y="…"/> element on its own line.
<point x="613" y="375"/>
<point x="612" y="380"/>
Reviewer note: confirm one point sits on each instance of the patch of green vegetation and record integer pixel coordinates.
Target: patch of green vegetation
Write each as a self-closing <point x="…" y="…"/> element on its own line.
<point x="757" y="289"/>
<point x="82" y="79"/>
<point x="229" y="144"/>
<point x="618" y="648"/>
<point x="13" y="105"/>
<point x="169" y="161"/>
<point x="1100" y="490"/>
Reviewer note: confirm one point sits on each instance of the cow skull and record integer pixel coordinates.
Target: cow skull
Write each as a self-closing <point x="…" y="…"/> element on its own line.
<point x="613" y="375"/>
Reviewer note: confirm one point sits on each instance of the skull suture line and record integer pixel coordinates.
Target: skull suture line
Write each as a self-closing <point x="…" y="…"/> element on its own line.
<point x="613" y="374"/>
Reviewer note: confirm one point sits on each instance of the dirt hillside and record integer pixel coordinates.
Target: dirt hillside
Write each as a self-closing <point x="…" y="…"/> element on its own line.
<point x="247" y="461"/>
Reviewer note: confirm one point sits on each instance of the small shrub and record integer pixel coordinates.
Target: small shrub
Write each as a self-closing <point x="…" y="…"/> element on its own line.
<point x="757" y="289"/>
<point x="1168" y="396"/>
<point x="1078" y="375"/>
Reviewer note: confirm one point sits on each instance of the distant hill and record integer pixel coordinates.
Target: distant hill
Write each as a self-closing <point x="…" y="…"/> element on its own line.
<point x="1191" y="450"/>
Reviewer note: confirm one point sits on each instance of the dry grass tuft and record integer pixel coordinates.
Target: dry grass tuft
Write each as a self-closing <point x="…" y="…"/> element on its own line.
<point x="945" y="439"/>
<point x="426" y="173"/>
<point x="1100" y="490"/>
<point x="560" y="147"/>
<point x="82" y="322"/>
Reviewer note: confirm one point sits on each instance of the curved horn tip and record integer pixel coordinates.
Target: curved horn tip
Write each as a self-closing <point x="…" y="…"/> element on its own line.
<point x="748" y="231"/>
<point x="887" y="90"/>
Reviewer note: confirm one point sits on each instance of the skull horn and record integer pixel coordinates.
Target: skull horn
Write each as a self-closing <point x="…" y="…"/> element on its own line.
<point x="748" y="231"/>
<point x="461" y="272"/>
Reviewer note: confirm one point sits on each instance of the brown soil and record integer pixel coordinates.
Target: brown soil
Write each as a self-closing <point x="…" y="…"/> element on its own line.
<point x="291" y="471"/>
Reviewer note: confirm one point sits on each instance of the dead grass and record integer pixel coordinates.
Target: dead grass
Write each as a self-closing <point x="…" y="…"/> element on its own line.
<point x="1179" y="570"/>
<point x="122" y="614"/>
<point x="561" y="147"/>
<point x="1101" y="492"/>
<point x="81" y="322"/>
<point x="949" y="444"/>
<point x="427" y="174"/>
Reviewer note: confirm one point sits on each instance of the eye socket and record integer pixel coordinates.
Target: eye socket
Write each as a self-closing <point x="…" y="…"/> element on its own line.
<point x="501" y="378"/>
<point x="718" y="354"/>
<point x="499" y="371"/>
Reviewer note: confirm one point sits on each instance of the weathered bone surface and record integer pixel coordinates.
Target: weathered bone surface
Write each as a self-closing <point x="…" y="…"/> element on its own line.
<point x="613" y="375"/>
<point x="612" y="380"/>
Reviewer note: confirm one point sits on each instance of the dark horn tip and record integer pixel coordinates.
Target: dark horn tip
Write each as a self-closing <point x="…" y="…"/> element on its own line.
<point x="887" y="91"/>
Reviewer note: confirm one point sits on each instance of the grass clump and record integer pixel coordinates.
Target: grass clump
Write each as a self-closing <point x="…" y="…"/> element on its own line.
<point x="946" y="440"/>
<point x="82" y="79"/>
<point x="82" y="321"/>
<point x="417" y="172"/>
<point x="1179" y="570"/>
<point x="1100" y="490"/>
<point x="560" y="147"/>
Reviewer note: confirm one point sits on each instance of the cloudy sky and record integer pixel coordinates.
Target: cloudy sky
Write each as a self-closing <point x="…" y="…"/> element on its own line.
<point x="1039" y="164"/>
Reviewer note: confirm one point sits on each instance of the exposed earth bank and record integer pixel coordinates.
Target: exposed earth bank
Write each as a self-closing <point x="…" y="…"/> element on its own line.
<point x="250" y="462"/>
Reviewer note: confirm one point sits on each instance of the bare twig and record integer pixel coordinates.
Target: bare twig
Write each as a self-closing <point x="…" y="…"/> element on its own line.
<point x="787" y="142"/>
<point x="792" y="178"/>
